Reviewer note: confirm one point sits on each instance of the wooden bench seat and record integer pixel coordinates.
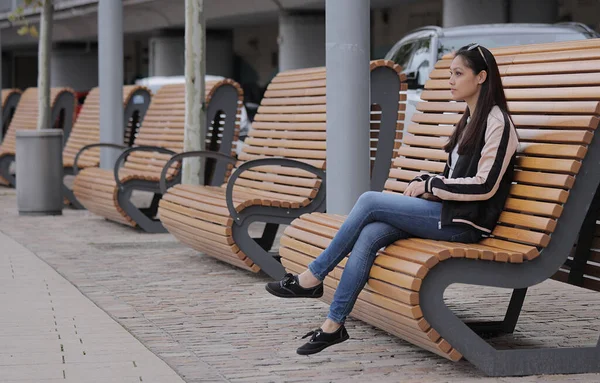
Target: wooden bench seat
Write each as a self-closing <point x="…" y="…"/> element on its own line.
<point x="10" y="100"/>
<point x="86" y="131"/>
<point x="62" y="103"/>
<point x="289" y="125"/>
<point x="555" y="180"/>
<point x="160" y="136"/>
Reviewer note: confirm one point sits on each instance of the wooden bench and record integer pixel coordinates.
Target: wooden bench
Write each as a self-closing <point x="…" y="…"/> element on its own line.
<point x="62" y="101"/>
<point x="553" y="92"/>
<point x="10" y="100"/>
<point x="279" y="173"/>
<point x="582" y="267"/>
<point x="86" y="131"/>
<point x="107" y="192"/>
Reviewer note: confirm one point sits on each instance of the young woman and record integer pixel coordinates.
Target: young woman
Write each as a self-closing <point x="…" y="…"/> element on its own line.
<point x="470" y="197"/>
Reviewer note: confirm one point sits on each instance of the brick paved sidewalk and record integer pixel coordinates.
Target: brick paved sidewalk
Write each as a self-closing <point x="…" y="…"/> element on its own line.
<point x="50" y="332"/>
<point x="212" y="322"/>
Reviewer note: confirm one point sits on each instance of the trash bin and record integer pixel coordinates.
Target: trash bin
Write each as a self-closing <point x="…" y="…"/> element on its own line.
<point x="40" y="172"/>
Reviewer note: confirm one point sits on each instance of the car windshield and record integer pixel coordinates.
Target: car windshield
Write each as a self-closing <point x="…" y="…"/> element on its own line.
<point x="414" y="57"/>
<point x="449" y="44"/>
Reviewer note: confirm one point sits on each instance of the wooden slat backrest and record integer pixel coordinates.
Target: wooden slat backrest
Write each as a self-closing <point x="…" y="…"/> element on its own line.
<point x="6" y="94"/>
<point x="26" y="116"/>
<point x="86" y="129"/>
<point x="523" y="50"/>
<point x="291" y="123"/>
<point x="164" y="123"/>
<point x="535" y="61"/>
<point x="555" y="121"/>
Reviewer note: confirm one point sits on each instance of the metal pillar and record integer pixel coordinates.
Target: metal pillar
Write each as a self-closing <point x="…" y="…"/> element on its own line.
<point x="44" y="50"/>
<point x="2" y="112"/>
<point x="110" y="78"/>
<point x="348" y="102"/>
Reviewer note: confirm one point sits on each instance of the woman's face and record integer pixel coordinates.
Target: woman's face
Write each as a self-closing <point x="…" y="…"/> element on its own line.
<point x="464" y="83"/>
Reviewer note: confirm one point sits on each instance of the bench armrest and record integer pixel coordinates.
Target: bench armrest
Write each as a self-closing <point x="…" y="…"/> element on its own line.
<point x="198" y="153"/>
<point x="265" y="162"/>
<point x="126" y="154"/>
<point x="100" y="144"/>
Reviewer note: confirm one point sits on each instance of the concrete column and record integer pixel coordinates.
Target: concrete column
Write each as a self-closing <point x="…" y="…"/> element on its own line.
<point x="167" y="56"/>
<point x="348" y="102"/>
<point x="301" y="41"/>
<point x="77" y="69"/>
<point x="533" y="11"/>
<point x="466" y="12"/>
<point x="110" y="76"/>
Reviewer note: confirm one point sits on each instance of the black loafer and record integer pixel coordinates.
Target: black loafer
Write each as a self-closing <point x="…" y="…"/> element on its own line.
<point x="289" y="287"/>
<point x="321" y="340"/>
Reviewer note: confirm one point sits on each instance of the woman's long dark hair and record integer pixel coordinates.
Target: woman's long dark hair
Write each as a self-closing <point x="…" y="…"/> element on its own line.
<point x="492" y="93"/>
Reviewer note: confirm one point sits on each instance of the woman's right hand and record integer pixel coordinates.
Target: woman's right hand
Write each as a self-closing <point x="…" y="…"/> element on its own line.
<point x="415" y="189"/>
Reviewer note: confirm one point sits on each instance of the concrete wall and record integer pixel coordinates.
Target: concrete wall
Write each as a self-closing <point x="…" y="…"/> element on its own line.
<point x="533" y="11"/>
<point x="167" y="56"/>
<point x="388" y="25"/>
<point x="219" y="53"/>
<point x="135" y="56"/>
<point x="24" y="69"/>
<point x="257" y="51"/>
<point x="6" y="71"/>
<point x="583" y="11"/>
<point x="465" y="12"/>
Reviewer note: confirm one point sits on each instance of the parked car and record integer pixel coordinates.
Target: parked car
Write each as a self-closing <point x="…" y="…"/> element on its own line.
<point x="419" y="50"/>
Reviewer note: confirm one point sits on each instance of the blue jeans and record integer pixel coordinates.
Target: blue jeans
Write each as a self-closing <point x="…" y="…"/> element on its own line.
<point x="378" y="220"/>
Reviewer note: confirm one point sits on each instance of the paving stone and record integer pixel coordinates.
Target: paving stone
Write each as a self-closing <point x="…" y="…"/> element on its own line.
<point x="41" y="340"/>
<point x="212" y="322"/>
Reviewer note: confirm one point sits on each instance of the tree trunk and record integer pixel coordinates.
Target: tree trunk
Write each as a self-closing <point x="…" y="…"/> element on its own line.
<point x="195" y="111"/>
<point x="44" y="48"/>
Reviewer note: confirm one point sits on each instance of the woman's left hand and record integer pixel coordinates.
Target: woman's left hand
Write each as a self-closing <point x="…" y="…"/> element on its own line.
<point x="415" y="189"/>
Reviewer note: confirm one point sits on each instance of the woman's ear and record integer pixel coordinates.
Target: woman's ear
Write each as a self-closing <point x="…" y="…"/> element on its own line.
<point x="481" y="77"/>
